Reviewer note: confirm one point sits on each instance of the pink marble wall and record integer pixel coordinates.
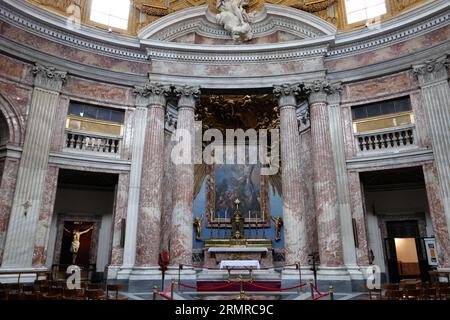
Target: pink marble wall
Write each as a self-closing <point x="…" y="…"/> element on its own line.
<point x="58" y="139"/>
<point x="347" y="127"/>
<point x="357" y="208"/>
<point x="235" y="69"/>
<point x="437" y="213"/>
<point x="166" y="217"/>
<point x="307" y="187"/>
<point x="391" y="52"/>
<point x="379" y="87"/>
<point x="119" y="214"/>
<point x="14" y="69"/>
<point x="97" y="92"/>
<point x="423" y="135"/>
<point x="45" y="217"/>
<point x="72" y="53"/>
<point x="7" y="187"/>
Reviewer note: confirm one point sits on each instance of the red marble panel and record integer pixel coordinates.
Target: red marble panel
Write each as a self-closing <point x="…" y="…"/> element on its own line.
<point x="45" y="217"/>
<point x="120" y="213"/>
<point x="422" y="132"/>
<point x="12" y="68"/>
<point x="7" y="187"/>
<point x="437" y="213"/>
<point x="96" y="91"/>
<point x="18" y="96"/>
<point x="381" y="86"/>
<point x="58" y="139"/>
<point x="356" y="204"/>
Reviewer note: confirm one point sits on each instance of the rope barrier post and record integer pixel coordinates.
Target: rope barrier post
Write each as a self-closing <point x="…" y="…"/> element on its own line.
<point x="171" y="288"/>
<point x="312" y="290"/>
<point x="155" y="292"/>
<point x="331" y="292"/>
<point x="300" y="289"/>
<point x="179" y="276"/>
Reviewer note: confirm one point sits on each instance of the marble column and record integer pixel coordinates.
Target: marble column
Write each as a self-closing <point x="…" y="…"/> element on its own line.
<point x="137" y="156"/>
<point x="433" y="80"/>
<point x="150" y="205"/>
<point x="438" y="219"/>
<point x="295" y="232"/>
<point x="342" y="180"/>
<point x="33" y="168"/>
<point x="183" y="194"/>
<point x="325" y="184"/>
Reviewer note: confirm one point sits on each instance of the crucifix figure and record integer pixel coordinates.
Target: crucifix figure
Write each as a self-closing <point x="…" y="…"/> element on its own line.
<point x="75" y="246"/>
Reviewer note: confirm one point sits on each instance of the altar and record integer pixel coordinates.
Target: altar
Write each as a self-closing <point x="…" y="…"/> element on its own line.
<point x="222" y="257"/>
<point x="236" y="249"/>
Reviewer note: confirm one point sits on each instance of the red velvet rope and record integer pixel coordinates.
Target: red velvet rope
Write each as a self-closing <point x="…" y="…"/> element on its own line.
<point x="320" y="294"/>
<point x="235" y="282"/>
<point x="276" y="289"/>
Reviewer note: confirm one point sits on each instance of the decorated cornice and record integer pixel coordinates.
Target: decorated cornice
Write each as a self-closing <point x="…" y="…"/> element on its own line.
<point x="404" y="27"/>
<point x="54" y="30"/>
<point x="431" y="71"/>
<point x="48" y="78"/>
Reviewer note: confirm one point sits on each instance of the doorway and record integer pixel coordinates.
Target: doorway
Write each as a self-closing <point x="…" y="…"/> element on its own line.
<point x="405" y="251"/>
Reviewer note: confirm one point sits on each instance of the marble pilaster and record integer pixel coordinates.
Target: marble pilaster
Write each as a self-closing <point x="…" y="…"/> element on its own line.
<point x="150" y="205"/>
<point x="30" y="185"/>
<point x="325" y="184"/>
<point x="438" y="219"/>
<point x="139" y="133"/>
<point x="433" y="80"/>
<point x="183" y="194"/>
<point x="343" y="187"/>
<point x="295" y="232"/>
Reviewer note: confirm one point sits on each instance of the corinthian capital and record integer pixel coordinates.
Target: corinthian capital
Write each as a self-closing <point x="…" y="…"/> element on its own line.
<point x="187" y="95"/>
<point x="152" y="94"/>
<point x="319" y="90"/>
<point x="432" y="70"/>
<point x="48" y="77"/>
<point x="286" y="94"/>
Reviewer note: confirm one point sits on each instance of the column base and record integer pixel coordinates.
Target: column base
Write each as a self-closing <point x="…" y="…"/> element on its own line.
<point x="338" y="277"/>
<point x="290" y="276"/>
<point x="28" y="277"/>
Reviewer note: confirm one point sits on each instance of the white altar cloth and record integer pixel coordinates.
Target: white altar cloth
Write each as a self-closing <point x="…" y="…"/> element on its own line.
<point x="237" y="249"/>
<point x="225" y="264"/>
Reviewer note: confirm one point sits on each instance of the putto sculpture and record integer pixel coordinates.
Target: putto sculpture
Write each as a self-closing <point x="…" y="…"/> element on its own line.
<point x="235" y="19"/>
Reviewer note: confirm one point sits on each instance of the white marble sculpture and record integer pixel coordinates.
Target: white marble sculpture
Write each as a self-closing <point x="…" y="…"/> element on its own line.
<point x="235" y="19"/>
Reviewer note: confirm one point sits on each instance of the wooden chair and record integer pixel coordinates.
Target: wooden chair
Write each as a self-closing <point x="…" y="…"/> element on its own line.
<point x="394" y="294"/>
<point x="444" y="293"/>
<point x="429" y="294"/>
<point x="413" y="294"/>
<point x="114" y="289"/>
<point x="391" y="286"/>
